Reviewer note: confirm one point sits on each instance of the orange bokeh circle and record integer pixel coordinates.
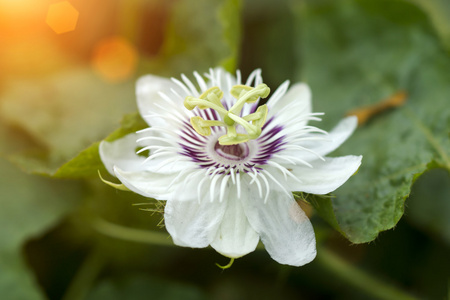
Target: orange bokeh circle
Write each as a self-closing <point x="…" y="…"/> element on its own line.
<point x="114" y="59"/>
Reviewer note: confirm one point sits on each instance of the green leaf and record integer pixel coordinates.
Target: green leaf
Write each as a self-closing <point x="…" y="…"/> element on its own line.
<point x="30" y="206"/>
<point x="323" y="205"/>
<point x="357" y="53"/>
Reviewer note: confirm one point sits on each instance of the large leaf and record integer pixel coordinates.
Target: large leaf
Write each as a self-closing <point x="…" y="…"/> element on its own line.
<point x="357" y="53"/>
<point x="29" y="206"/>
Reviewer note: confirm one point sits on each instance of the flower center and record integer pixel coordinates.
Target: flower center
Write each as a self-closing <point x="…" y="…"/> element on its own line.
<point x="232" y="152"/>
<point x="252" y="123"/>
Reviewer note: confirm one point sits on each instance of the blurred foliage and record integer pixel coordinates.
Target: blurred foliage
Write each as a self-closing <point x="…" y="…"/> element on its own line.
<point x="61" y="121"/>
<point x="140" y="287"/>
<point x="30" y="206"/>
<point x="54" y="110"/>
<point x="438" y="11"/>
<point x="433" y="217"/>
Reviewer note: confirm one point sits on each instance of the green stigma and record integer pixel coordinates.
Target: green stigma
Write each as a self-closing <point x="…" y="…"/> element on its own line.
<point x="252" y="123"/>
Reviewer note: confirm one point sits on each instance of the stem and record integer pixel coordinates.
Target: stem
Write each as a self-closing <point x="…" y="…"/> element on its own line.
<point x="132" y="234"/>
<point x="86" y="275"/>
<point x="360" y="279"/>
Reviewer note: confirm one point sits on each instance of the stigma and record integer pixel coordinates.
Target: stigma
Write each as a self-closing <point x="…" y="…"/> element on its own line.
<point x="230" y="119"/>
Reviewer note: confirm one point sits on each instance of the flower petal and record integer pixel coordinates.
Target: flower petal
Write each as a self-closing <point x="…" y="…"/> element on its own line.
<point x="298" y="96"/>
<point x="147" y="184"/>
<point x="235" y="237"/>
<point x="121" y="153"/>
<point x="338" y="135"/>
<point x="150" y="101"/>
<point x="179" y="186"/>
<point x="285" y="230"/>
<point x="193" y="223"/>
<point x="325" y="176"/>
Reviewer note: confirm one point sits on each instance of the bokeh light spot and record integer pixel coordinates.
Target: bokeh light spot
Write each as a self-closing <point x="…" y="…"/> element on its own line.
<point x="114" y="59"/>
<point x="62" y="17"/>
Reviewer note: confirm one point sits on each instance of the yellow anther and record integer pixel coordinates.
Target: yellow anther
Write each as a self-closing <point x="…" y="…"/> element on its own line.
<point x="214" y="95"/>
<point x="209" y="99"/>
<point x="197" y="123"/>
<point x="189" y="102"/>
<point x="238" y="91"/>
<point x="203" y="127"/>
<point x="247" y="95"/>
<point x="250" y="94"/>
<point x="259" y="117"/>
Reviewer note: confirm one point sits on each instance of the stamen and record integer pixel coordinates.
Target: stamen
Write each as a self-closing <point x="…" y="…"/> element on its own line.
<point x="253" y="131"/>
<point x="246" y="94"/>
<point x="212" y="98"/>
<point x="203" y="127"/>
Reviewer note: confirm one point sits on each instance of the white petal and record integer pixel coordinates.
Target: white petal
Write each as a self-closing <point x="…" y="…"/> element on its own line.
<point x="298" y="95"/>
<point x="193" y="224"/>
<point x="338" y="135"/>
<point x="179" y="186"/>
<point x="148" y="89"/>
<point x="121" y="153"/>
<point x="325" y="176"/>
<point x="147" y="184"/>
<point x="285" y="230"/>
<point x="235" y="237"/>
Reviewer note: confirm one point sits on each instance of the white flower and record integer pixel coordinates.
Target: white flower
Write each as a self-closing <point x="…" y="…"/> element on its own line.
<point x="230" y="194"/>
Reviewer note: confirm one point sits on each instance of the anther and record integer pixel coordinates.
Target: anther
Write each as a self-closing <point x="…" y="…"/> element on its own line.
<point x="252" y="123"/>
<point x="246" y="94"/>
<point x="203" y="127"/>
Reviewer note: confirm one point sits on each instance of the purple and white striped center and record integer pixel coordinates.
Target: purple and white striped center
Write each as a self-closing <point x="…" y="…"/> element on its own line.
<point x="207" y="153"/>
